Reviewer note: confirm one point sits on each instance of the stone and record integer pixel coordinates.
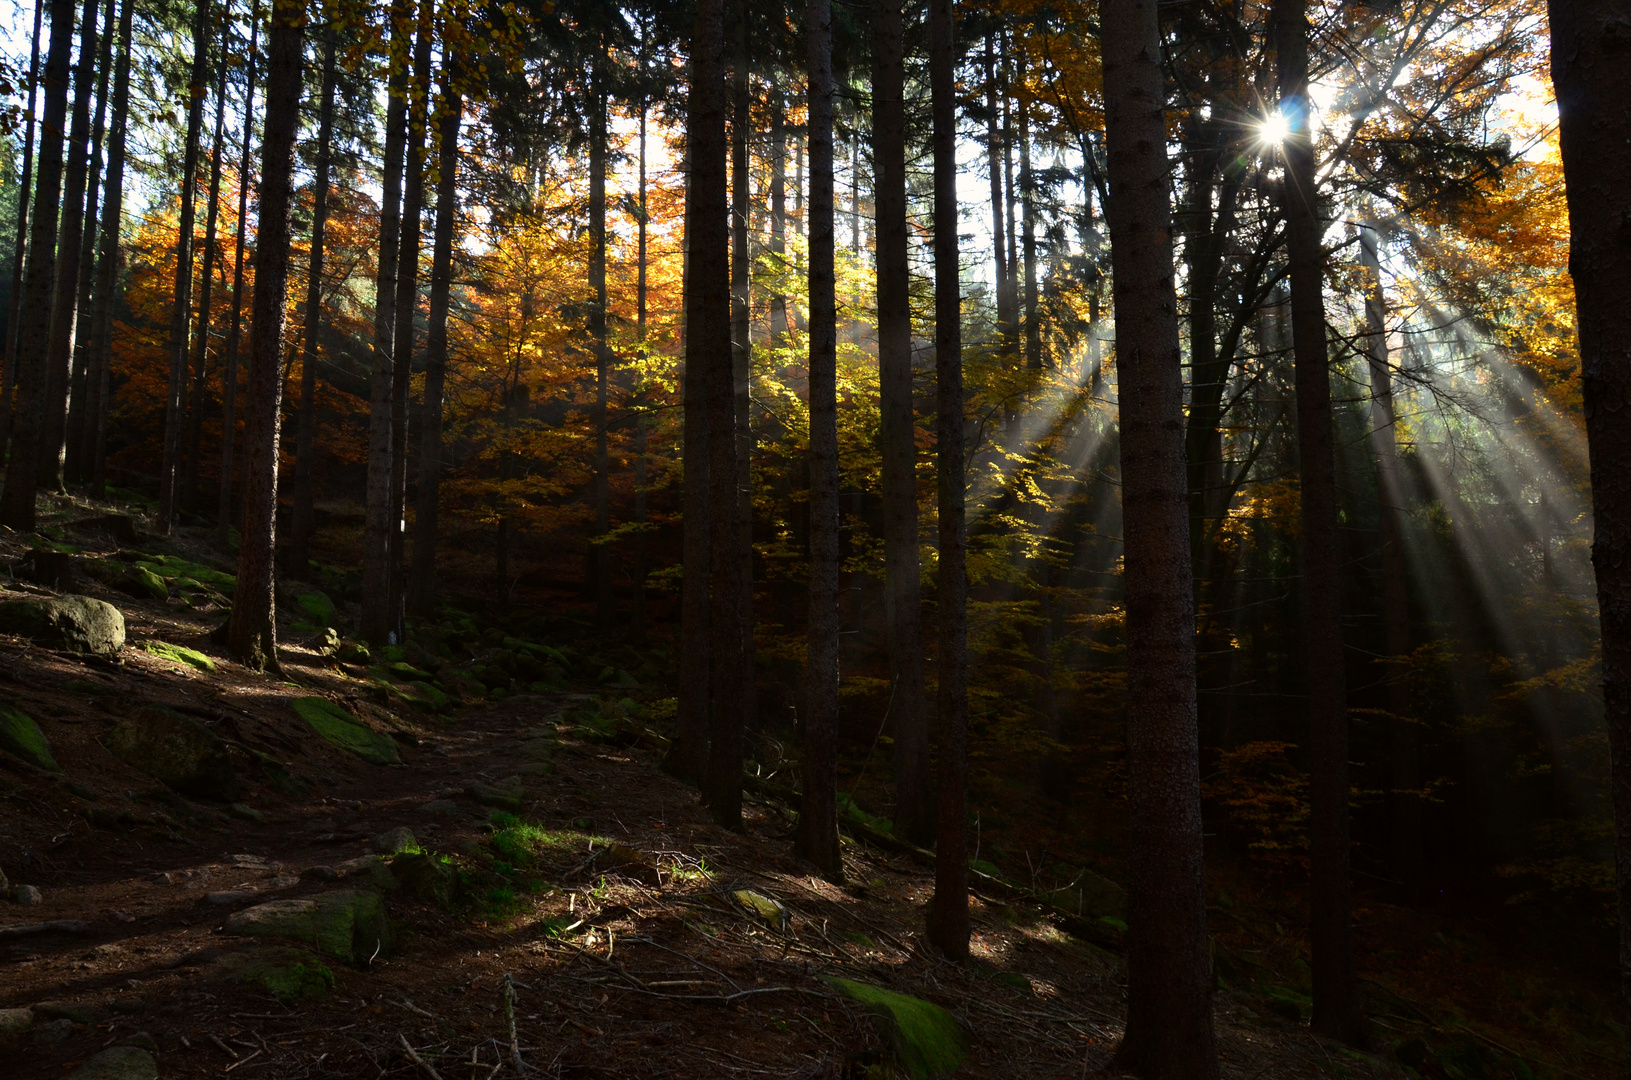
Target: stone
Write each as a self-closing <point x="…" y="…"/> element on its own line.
<point x="342" y="729"/>
<point x="349" y="924"/>
<point x="926" y="1040"/>
<point x="248" y="813"/>
<point x="440" y="806"/>
<point x="72" y="623"/>
<point x="397" y="841"/>
<point x="65" y="1010"/>
<point x="15" y="1023"/>
<point x="144" y="1041"/>
<point x="140" y="581"/>
<point x="128" y="1006"/>
<point x="118" y="1063"/>
<point x="229" y="897"/>
<point x="287" y="974"/>
<point x="504" y="795"/>
<point x="318" y="608"/>
<point x="353" y="652"/>
<point x="367" y="869"/>
<point x="175" y="750"/>
<point x="21" y="737"/>
<point x="1090" y="896"/>
<point x="53" y="1032"/>
<point x="425" y="877"/>
<point x="327" y="642"/>
<point x="26" y="895"/>
<point x="179" y="654"/>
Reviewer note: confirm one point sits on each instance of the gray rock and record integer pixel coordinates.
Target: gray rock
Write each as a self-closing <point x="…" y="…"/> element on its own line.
<point x="129" y="1006"/>
<point x="367" y="870"/>
<point x="176" y="750"/>
<point x="62" y="1010"/>
<point x="15" y="1022"/>
<point x="229" y="897"/>
<point x="118" y="1063"/>
<point x="26" y="895"/>
<point x="426" y="877"/>
<point x="143" y="1041"/>
<point x="504" y="795"/>
<point x="319" y="873"/>
<point x="327" y="642"/>
<point x="348" y="925"/>
<point x="440" y="806"/>
<point x="53" y="1032"/>
<point x="396" y="841"/>
<point x="71" y="623"/>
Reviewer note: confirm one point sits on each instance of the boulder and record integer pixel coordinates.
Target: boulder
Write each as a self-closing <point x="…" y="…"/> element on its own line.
<point x="318" y="609"/>
<point x="426" y="877"/>
<point x="25" y="895"/>
<point x="343" y="730"/>
<point x="288" y="974"/>
<point x="15" y="1022"/>
<point x="326" y="642"/>
<point x="369" y="870"/>
<point x="1090" y="896"/>
<point x="349" y="925"/>
<point x="397" y="841"/>
<point x="118" y="1063"/>
<point x="22" y="737"/>
<point x="176" y="750"/>
<point x="71" y="623"/>
<point x="924" y="1037"/>
<point x="504" y="795"/>
<point x="179" y="654"/>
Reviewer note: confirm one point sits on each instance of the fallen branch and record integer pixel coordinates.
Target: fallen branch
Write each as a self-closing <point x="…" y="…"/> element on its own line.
<point x="509" y="1017"/>
<point x="413" y="1056"/>
<point x="243" y="1061"/>
<point x="54" y="926"/>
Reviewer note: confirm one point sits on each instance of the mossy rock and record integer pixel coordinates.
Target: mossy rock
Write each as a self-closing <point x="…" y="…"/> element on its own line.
<point x="1090" y="896"/>
<point x="14" y="1023"/>
<point x="175" y="750"/>
<point x="504" y="795"/>
<point x="319" y="609"/>
<point x="171" y="568"/>
<point x="349" y="924"/>
<point x="405" y="671"/>
<point x="425" y="876"/>
<point x="179" y="654"/>
<point x="21" y="736"/>
<point x="72" y="623"/>
<point x="146" y="583"/>
<point x="118" y="1063"/>
<point x="343" y="730"/>
<point x="287" y="974"/>
<point x="924" y="1037"/>
<point x="132" y="580"/>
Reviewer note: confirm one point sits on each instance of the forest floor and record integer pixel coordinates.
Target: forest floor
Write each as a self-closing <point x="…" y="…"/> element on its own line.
<point x="589" y="903"/>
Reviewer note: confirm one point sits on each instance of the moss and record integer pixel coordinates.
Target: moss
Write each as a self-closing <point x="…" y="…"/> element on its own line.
<point x="925" y="1038"/>
<point x="171" y="568"/>
<point x="343" y="730"/>
<point x="20" y="735"/>
<point x="179" y="654"/>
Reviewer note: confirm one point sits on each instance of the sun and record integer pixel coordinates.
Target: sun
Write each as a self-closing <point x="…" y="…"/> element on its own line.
<point x="1273" y="129"/>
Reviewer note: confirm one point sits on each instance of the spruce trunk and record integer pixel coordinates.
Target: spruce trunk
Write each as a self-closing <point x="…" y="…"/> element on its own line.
<point x="99" y="374"/>
<point x="229" y="371"/>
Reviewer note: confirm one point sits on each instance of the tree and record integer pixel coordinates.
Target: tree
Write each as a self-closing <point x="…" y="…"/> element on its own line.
<point x="897" y="433"/>
<point x="377" y="614"/>
<point x="17" y="502"/>
<point x="818" y="810"/>
<point x="1336" y="1001"/>
<point x="1593" y="86"/>
<point x="422" y="582"/>
<point x="229" y="372"/>
<point x="180" y="315"/>
<point x="14" y="319"/>
<point x="948" y="911"/>
<point x="300" y="524"/>
<point x="1169" y="982"/>
<point x="251" y="633"/>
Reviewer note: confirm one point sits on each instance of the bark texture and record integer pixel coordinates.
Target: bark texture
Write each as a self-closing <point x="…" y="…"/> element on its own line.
<point x="1169" y="981"/>
<point x="14" y="320"/>
<point x="948" y="911"/>
<point x="99" y="374"/>
<point x="251" y="633"/>
<point x="229" y="371"/>
<point x="1336" y="992"/>
<point x="1591" y="42"/>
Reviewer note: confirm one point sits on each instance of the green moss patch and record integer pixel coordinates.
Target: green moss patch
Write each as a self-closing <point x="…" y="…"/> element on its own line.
<point x="20" y="735"/>
<point x="349" y="925"/>
<point x="318" y="608"/>
<point x="170" y="568"/>
<point x="925" y="1038"/>
<point x="344" y="730"/>
<point x="179" y="654"/>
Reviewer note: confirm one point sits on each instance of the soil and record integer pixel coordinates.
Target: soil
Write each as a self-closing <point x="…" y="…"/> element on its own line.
<point x="625" y="947"/>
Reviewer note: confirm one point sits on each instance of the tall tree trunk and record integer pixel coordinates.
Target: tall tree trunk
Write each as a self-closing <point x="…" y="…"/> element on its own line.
<point x="709" y="331"/>
<point x="1027" y="199"/>
<point x="427" y="502"/>
<point x="14" y="319"/>
<point x="376" y="555"/>
<point x="251" y="633"/>
<point x="1336" y="1000"/>
<point x="1593" y="86"/>
<point x="59" y="355"/>
<point x="407" y="302"/>
<point x="85" y="329"/>
<point x="1011" y="234"/>
<point x="300" y="524"/>
<point x="687" y="757"/>
<point x="1404" y="754"/>
<point x="742" y="346"/>
<point x="600" y="563"/>
<point x="642" y="228"/>
<point x="1169" y="981"/>
<point x="994" y="156"/>
<point x="897" y="435"/>
<point x="778" y="202"/>
<point x="229" y="372"/>
<point x="948" y="928"/>
<point x="17" y="502"/>
<point x="206" y="283"/>
<point x="99" y="379"/>
<point x="817" y="838"/>
<point x="181" y="312"/>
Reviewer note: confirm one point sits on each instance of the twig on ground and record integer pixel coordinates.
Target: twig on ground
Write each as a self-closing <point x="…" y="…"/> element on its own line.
<point x="509" y="1018"/>
<point x="413" y="1056"/>
<point x="243" y="1061"/>
<point x="225" y="1049"/>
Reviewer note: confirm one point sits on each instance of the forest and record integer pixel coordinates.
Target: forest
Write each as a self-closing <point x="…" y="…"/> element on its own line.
<point x="881" y="538"/>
